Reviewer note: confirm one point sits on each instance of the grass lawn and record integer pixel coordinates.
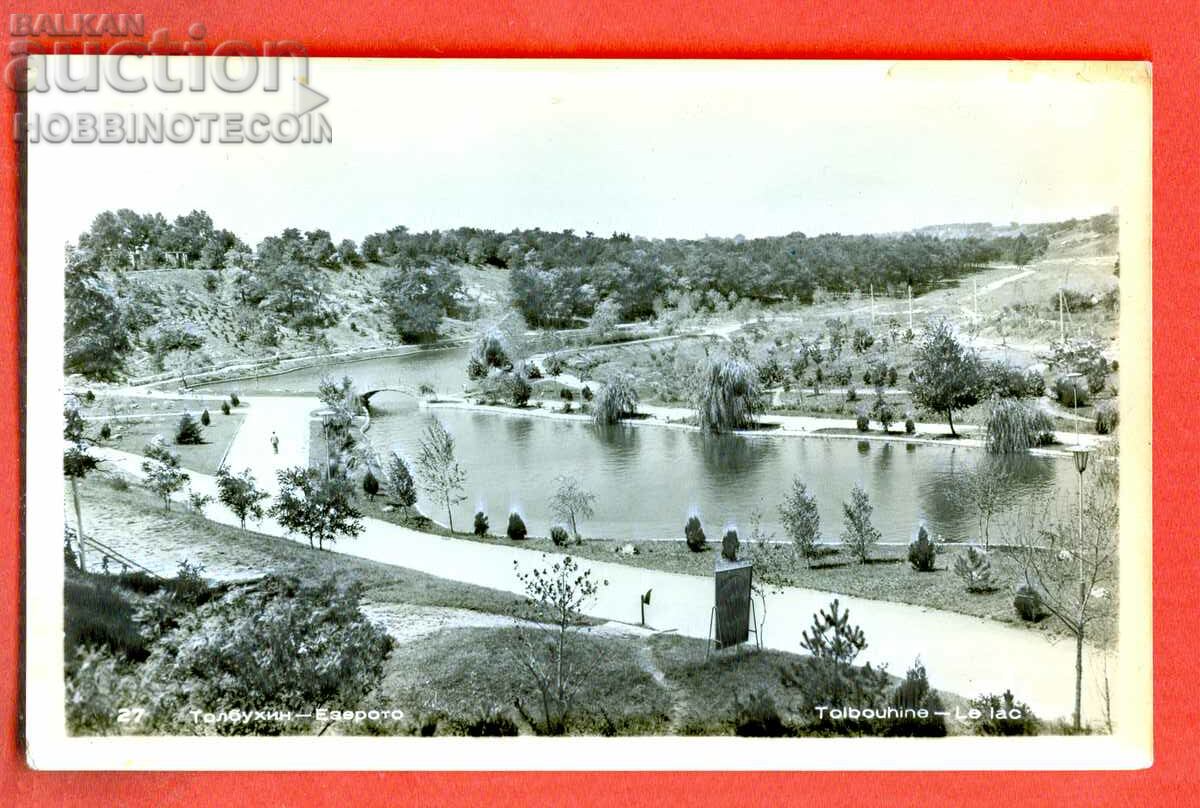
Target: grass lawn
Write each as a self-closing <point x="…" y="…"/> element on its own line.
<point x="133" y="435"/>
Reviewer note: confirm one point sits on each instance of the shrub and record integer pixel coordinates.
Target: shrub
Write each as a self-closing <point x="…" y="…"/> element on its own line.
<point x="851" y="395"/>
<point x="1003" y="715"/>
<point x="559" y="536"/>
<point x="975" y="570"/>
<point x="518" y="389"/>
<point x="205" y="418"/>
<point x="553" y="364"/>
<point x="532" y="371"/>
<point x="224" y="407"/>
<point x="105" y="432"/>
<point x="922" y="553"/>
<point x="1072" y="391"/>
<point x="800" y="518"/>
<point x="235" y="400"/>
<point x="1014" y="426"/>
<point x="693" y="533"/>
<point x="566" y="395"/>
<point x="830" y="678"/>
<point x="1028" y="604"/>
<point x="197" y="501"/>
<point x="490" y="351"/>
<point x="516" y="527"/>
<point x="586" y="392"/>
<point x="188" y="431"/>
<point x="883" y="413"/>
<point x="370" y="485"/>
<point x="758" y="717"/>
<point x="914" y="694"/>
<point x="95" y="614"/>
<point x="1107" y="417"/>
<point x="910" y="426"/>
<point x="729" y="545"/>
<point x="210" y="282"/>
<point x="1003" y="380"/>
<point x="862" y="421"/>
<point x="493" y="724"/>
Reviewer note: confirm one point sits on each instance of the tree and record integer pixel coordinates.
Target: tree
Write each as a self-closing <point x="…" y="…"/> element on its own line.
<point x="727" y="395"/>
<point x="347" y="254"/>
<point x="440" y="474"/>
<point x="338" y="395"/>
<point x="162" y="471"/>
<point x="317" y="507"/>
<point x="415" y="300"/>
<point x="553" y="647"/>
<point x="570" y="502"/>
<point x="188" y="431"/>
<point x="986" y="489"/>
<point x="858" y="534"/>
<point x="240" y="494"/>
<point x="95" y="334"/>
<point x="800" y="518"/>
<point x="205" y="418"/>
<point x="832" y="680"/>
<point x="491" y="350"/>
<point x="946" y="375"/>
<point x="617" y="399"/>
<point x="400" y="482"/>
<point x="1070" y="559"/>
<point x="77" y="464"/>
<point x="605" y="319"/>
<point x="370" y="485"/>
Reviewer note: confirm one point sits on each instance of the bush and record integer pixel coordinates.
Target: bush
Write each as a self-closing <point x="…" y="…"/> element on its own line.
<point x="975" y="570"/>
<point x="533" y="371"/>
<point x="494" y="724"/>
<point x="758" y="717"/>
<point x="95" y="614"/>
<point x="1004" y="715"/>
<point x="553" y="364"/>
<point x="224" y="407"/>
<point x="105" y="432"/>
<point x="912" y="695"/>
<point x="729" y="545"/>
<point x="922" y="553"/>
<point x="188" y="431"/>
<point x="1003" y="380"/>
<point x="862" y="421"/>
<point x="205" y="418"/>
<point x="1028" y="604"/>
<point x="1014" y="426"/>
<point x="234" y="400"/>
<point x="693" y="533"/>
<point x="586" y="392"/>
<point x="910" y="426"/>
<point x="518" y="389"/>
<point x="1072" y="390"/>
<point x="481" y="523"/>
<point x="516" y="527"/>
<point x="370" y="485"/>
<point x="851" y="395"/>
<point x="558" y="535"/>
<point x="1107" y="417"/>
<point x="566" y="395"/>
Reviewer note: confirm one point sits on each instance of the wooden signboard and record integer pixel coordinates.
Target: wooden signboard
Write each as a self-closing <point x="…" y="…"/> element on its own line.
<point x="733" y="602"/>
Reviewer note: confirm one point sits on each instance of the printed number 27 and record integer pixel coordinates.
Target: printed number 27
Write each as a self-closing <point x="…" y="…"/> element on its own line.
<point x="130" y="715"/>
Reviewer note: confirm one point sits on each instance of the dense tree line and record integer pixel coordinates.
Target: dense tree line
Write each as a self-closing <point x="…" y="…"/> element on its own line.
<point x="125" y="239"/>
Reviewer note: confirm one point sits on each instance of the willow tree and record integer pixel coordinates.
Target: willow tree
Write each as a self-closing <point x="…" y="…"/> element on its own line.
<point x="617" y="399"/>
<point x="727" y="395"/>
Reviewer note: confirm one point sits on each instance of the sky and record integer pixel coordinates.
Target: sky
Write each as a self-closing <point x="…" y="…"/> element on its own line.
<point x="658" y="149"/>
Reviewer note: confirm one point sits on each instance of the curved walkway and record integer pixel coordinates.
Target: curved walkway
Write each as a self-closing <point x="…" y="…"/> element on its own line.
<point x="965" y="655"/>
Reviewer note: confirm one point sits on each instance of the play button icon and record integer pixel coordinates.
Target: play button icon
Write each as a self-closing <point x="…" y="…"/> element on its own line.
<point x="307" y="99"/>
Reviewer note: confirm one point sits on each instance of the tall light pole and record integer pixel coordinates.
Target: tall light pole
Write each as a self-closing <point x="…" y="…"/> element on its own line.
<point x="1081" y="454"/>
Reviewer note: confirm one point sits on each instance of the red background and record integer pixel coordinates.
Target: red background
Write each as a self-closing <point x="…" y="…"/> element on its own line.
<point x="1164" y="32"/>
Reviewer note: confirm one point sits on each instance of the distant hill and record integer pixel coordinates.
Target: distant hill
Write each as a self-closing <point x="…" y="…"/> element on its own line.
<point x="1104" y="224"/>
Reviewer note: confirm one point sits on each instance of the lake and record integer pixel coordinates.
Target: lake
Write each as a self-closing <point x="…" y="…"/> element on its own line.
<point x="648" y="479"/>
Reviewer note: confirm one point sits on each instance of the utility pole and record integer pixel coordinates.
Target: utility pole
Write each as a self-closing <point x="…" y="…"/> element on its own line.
<point x="1062" y="328"/>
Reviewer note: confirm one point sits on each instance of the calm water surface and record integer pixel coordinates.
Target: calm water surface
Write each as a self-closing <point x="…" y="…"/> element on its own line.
<point x="648" y="479"/>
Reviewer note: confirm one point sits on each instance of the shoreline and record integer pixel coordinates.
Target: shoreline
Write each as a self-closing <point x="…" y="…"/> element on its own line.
<point x="788" y="426"/>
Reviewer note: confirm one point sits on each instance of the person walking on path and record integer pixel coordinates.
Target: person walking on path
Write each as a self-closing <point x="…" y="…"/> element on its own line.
<point x="275" y="442"/>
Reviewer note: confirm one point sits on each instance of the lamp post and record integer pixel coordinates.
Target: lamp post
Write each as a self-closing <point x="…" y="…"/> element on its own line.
<point x="1081" y="454"/>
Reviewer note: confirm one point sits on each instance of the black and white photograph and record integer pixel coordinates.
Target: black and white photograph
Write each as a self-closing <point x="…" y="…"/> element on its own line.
<point x="411" y="409"/>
